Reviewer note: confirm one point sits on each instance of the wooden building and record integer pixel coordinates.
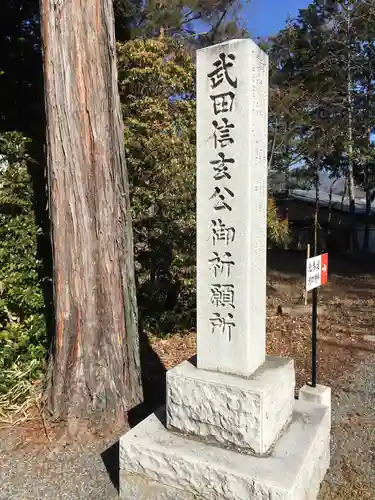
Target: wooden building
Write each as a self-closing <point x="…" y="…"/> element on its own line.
<point x="298" y="206"/>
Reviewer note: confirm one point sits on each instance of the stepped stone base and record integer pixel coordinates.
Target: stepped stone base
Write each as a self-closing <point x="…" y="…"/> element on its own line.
<point x="157" y="464"/>
<point x="247" y="413"/>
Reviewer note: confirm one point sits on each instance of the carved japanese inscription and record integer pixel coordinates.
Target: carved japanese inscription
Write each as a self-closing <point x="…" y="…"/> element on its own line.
<point x="222" y="295"/>
<point x="232" y="104"/>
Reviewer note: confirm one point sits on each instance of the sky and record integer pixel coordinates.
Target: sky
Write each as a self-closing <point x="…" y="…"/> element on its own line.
<point x="267" y="17"/>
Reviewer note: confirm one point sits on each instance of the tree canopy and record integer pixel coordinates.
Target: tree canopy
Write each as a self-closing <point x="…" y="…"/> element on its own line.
<point x="207" y="21"/>
<point x="322" y="88"/>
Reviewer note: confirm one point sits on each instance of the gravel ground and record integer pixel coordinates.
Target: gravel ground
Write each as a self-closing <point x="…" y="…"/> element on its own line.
<point x="31" y="472"/>
<point x="70" y="474"/>
<point x="352" y="473"/>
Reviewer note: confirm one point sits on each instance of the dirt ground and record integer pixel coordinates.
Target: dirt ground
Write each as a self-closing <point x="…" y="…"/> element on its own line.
<point x="345" y="361"/>
<point x="346" y="313"/>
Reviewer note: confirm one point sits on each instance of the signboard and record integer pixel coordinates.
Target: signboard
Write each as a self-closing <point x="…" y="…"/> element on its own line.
<point x="324" y="269"/>
<point x="316" y="271"/>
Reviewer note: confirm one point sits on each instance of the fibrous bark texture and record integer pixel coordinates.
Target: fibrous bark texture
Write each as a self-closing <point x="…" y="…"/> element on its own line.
<point x="94" y="370"/>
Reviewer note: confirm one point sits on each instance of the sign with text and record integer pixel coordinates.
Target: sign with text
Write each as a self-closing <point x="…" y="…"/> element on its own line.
<point x="316" y="271"/>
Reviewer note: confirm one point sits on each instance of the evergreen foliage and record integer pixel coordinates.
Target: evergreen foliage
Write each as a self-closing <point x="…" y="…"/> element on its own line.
<point x="22" y="325"/>
<point x="157" y="90"/>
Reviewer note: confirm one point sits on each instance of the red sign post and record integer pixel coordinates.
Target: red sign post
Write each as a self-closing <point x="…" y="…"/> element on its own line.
<point x="324" y="269"/>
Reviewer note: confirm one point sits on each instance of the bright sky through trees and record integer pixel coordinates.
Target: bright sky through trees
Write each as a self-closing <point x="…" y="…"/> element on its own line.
<point x="267" y="17"/>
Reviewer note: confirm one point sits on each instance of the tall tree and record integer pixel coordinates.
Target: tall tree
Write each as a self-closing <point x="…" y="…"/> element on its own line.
<point x="94" y="371"/>
<point x="327" y="52"/>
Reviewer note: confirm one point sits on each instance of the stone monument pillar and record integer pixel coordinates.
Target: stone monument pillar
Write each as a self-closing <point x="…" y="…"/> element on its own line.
<point x="232" y="105"/>
<point x="231" y="429"/>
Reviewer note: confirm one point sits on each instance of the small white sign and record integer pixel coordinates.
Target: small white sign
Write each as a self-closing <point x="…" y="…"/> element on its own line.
<point x="313" y="272"/>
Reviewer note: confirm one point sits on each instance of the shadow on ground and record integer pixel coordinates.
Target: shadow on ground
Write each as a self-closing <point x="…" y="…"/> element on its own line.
<point x="153" y="383"/>
<point x="110" y="459"/>
<point x="154" y="393"/>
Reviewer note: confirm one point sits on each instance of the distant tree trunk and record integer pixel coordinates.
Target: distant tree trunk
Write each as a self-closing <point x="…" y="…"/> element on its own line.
<point x="94" y="367"/>
<point x="330" y="205"/>
<point x="329" y="220"/>
<point x="316" y="211"/>
<point x="351" y="184"/>
<point x="367" y="175"/>
<point x="344" y="194"/>
<point x="366" y="237"/>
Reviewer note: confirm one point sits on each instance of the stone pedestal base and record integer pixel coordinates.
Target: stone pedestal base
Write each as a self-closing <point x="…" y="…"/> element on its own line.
<point x="320" y="394"/>
<point x="246" y="413"/>
<point x="157" y="464"/>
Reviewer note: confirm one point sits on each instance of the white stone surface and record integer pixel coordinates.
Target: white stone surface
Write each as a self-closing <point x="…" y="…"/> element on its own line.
<point x="136" y="487"/>
<point x="319" y="395"/>
<point x="156" y="464"/>
<point x="247" y="413"/>
<point x="231" y="207"/>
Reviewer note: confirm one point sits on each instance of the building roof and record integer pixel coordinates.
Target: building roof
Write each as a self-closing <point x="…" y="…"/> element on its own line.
<point x="338" y="202"/>
<point x="278" y="182"/>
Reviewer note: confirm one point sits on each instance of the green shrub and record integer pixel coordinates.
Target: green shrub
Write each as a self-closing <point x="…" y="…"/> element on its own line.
<point x="22" y="324"/>
<point x="160" y="155"/>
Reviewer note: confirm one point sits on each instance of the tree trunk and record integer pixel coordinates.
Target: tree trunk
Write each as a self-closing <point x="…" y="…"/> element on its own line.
<point x="366" y="237"/>
<point x="367" y="175"/>
<point x="351" y="184"/>
<point x="316" y="211"/>
<point x="94" y="367"/>
<point x="329" y="219"/>
<point x="344" y="194"/>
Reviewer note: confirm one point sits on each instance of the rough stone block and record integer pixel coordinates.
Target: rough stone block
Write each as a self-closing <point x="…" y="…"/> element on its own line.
<point x="246" y="413"/>
<point x="157" y="464"/>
